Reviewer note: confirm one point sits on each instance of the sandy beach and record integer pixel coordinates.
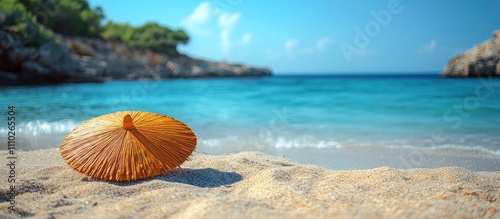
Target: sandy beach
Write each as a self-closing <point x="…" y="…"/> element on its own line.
<point x="250" y="185"/>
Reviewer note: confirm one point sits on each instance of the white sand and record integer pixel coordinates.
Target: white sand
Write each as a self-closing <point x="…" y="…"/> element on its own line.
<point x="250" y="185"/>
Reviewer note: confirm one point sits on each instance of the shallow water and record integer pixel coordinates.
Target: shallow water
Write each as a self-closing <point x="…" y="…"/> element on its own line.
<point x="279" y="112"/>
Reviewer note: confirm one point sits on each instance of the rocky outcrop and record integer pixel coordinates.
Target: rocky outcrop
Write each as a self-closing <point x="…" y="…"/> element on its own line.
<point x="44" y="64"/>
<point x="130" y="63"/>
<point x="78" y="59"/>
<point x="482" y="60"/>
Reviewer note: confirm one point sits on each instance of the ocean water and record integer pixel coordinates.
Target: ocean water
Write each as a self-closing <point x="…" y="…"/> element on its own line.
<point x="279" y="112"/>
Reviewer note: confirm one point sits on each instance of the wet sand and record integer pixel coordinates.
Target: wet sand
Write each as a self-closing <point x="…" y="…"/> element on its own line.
<point x="249" y="185"/>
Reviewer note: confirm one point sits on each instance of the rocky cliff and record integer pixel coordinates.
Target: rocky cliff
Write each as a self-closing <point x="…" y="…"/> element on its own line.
<point x="482" y="60"/>
<point x="78" y="59"/>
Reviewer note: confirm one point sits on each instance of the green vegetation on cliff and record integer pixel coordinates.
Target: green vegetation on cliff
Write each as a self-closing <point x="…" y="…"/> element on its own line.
<point x="15" y="16"/>
<point x="150" y="35"/>
<point x="71" y="17"/>
<point x="36" y="20"/>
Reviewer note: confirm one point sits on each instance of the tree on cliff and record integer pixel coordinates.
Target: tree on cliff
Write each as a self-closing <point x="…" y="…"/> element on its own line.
<point x="16" y="18"/>
<point x="72" y="17"/>
<point x="35" y="21"/>
<point x="150" y="35"/>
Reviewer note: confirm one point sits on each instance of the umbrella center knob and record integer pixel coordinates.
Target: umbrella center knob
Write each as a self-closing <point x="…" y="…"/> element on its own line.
<point x="127" y="122"/>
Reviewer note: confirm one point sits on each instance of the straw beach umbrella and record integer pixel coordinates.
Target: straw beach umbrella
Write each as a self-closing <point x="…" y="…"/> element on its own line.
<point x="128" y="145"/>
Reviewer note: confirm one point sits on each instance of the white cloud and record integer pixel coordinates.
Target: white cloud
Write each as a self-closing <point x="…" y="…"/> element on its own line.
<point x="246" y="38"/>
<point x="290" y="45"/>
<point x="322" y="43"/>
<point x="226" y="23"/>
<point x="428" y="48"/>
<point x="206" y="16"/>
<point x="200" y="16"/>
<point x="225" y="42"/>
<point x="227" y="20"/>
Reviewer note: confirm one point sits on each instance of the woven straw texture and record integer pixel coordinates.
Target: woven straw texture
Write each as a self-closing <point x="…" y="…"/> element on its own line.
<point x="104" y="149"/>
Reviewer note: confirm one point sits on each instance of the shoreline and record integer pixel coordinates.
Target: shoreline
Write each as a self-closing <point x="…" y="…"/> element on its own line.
<point x="398" y="158"/>
<point x="252" y="185"/>
<point x="360" y="158"/>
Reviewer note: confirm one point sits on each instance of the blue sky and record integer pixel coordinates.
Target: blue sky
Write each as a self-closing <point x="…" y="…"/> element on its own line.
<point x="322" y="36"/>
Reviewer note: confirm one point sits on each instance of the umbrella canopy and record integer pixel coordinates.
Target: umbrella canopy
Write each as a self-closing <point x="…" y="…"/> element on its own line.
<point x="128" y="145"/>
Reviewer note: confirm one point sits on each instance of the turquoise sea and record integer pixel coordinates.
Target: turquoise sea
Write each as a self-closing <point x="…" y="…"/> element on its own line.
<point x="279" y="113"/>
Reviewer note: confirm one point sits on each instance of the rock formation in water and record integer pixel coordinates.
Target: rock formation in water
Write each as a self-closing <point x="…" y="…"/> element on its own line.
<point x="80" y="59"/>
<point x="482" y="60"/>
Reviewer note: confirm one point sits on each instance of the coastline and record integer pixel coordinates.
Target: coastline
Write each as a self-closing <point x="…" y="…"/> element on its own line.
<point x="252" y="185"/>
<point x="399" y="158"/>
<point x="77" y="59"/>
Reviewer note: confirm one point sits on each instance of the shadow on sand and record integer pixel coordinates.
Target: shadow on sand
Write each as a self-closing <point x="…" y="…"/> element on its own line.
<point x="204" y="178"/>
